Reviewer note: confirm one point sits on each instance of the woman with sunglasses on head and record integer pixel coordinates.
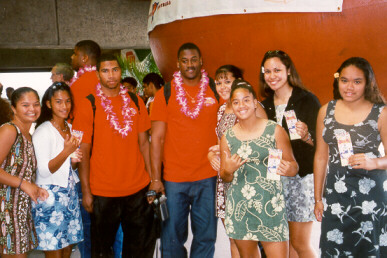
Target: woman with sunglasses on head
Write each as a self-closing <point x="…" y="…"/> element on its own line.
<point x="350" y="129"/>
<point x="18" y="165"/>
<point x="284" y="92"/>
<point x="58" y="219"/>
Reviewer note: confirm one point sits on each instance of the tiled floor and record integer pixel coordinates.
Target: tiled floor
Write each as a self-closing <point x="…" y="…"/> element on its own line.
<point x="222" y="247"/>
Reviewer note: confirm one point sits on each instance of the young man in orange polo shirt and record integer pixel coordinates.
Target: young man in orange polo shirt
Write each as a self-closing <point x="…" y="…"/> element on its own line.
<point x="115" y="179"/>
<point x="84" y="60"/>
<point x="182" y="131"/>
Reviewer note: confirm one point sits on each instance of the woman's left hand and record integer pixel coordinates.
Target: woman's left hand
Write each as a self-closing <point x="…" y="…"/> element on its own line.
<point x="302" y="129"/>
<point x="361" y="161"/>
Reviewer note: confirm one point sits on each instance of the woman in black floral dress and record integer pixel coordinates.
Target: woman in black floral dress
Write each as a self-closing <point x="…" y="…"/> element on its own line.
<point x="350" y="130"/>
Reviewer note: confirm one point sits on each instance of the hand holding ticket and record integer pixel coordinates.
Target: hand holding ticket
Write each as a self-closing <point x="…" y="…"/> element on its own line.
<point x="275" y="156"/>
<point x="78" y="135"/>
<point x="345" y="146"/>
<point x="291" y="121"/>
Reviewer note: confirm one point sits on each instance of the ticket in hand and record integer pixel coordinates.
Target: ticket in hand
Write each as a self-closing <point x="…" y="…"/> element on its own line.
<point x="291" y="121"/>
<point x="78" y="135"/>
<point x="345" y="145"/>
<point x="275" y="156"/>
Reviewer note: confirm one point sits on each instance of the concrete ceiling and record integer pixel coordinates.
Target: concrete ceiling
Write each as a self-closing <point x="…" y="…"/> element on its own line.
<point x="36" y="34"/>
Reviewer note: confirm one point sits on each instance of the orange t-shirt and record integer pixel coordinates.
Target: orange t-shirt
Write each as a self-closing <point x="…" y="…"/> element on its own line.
<point x="187" y="140"/>
<point x="116" y="166"/>
<point x="83" y="87"/>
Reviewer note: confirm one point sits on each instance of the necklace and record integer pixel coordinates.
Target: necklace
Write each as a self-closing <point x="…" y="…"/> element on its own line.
<point x="127" y="112"/>
<point x="66" y="127"/>
<point x="81" y="71"/>
<point x="181" y="94"/>
<point x="192" y="99"/>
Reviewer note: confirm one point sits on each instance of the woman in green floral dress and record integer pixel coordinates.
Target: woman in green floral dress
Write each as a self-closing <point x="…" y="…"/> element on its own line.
<point x="255" y="208"/>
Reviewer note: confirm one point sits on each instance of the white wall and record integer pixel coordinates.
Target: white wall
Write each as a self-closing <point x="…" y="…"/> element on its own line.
<point x="39" y="81"/>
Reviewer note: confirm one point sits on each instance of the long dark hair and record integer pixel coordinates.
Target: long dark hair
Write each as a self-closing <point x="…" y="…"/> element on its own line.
<point x="46" y="113"/>
<point x="371" y="91"/>
<point x="294" y="79"/>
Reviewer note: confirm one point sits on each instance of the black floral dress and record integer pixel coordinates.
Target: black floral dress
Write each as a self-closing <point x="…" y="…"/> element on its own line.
<point x="355" y="217"/>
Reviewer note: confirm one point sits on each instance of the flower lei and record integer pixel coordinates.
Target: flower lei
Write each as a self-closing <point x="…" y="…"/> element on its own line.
<point x="181" y="95"/>
<point x="127" y="112"/>
<point x="81" y="71"/>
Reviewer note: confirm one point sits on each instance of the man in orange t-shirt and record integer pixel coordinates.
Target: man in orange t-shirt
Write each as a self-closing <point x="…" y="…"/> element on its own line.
<point x="183" y="129"/>
<point x="115" y="179"/>
<point x="83" y="60"/>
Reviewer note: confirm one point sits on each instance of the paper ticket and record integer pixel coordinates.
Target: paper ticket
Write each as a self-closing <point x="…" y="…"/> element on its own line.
<point x="275" y="156"/>
<point x="345" y="146"/>
<point x="78" y="135"/>
<point x="291" y="121"/>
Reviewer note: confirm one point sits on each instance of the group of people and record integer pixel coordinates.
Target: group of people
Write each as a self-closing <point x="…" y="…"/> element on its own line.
<point x="267" y="169"/>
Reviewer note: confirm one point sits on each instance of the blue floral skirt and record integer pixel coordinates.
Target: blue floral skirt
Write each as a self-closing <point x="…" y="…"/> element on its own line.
<point x="58" y="220"/>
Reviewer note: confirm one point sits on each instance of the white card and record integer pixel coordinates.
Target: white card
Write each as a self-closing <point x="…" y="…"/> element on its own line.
<point x="291" y="121"/>
<point x="275" y="156"/>
<point x="345" y="145"/>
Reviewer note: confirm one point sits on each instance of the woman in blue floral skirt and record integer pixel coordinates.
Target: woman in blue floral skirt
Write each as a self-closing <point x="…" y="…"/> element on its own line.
<point x="57" y="220"/>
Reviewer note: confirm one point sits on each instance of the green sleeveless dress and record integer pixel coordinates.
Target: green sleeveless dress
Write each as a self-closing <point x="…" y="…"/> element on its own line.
<point x="255" y="208"/>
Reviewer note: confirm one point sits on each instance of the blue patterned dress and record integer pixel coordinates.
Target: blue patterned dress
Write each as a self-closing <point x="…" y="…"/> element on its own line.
<point x="58" y="220"/>
<point x="355" y="217"/>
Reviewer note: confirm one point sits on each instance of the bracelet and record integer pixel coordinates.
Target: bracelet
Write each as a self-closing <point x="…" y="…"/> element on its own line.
<point x="155" y="180"/>
<point x="21" y="181"/>
<point x="315" y="202"/>
<point x="309" y="137"/>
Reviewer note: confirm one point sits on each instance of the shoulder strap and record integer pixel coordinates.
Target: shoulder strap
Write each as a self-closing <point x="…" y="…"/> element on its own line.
<point x="167" y="91"/>
<point x="91" y="98"/>
<point x="17" y="130"/>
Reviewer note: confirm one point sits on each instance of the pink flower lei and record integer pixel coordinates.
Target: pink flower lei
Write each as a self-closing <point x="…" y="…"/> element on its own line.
<point x="127" y="112"/>
<point x="81" y="71"/>
<point x="181" y="95"/>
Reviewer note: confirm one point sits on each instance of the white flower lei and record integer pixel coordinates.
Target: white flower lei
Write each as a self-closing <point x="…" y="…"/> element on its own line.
<point x="181" y="95"/>
<point x="127" y="112"/>
<point x="81" y="71"/>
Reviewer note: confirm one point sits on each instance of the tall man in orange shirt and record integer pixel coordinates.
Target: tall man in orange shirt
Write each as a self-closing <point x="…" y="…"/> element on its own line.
<point x="84" y="60"/>
<point x="115" y="179"/>
<point x="183" y="128"/>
